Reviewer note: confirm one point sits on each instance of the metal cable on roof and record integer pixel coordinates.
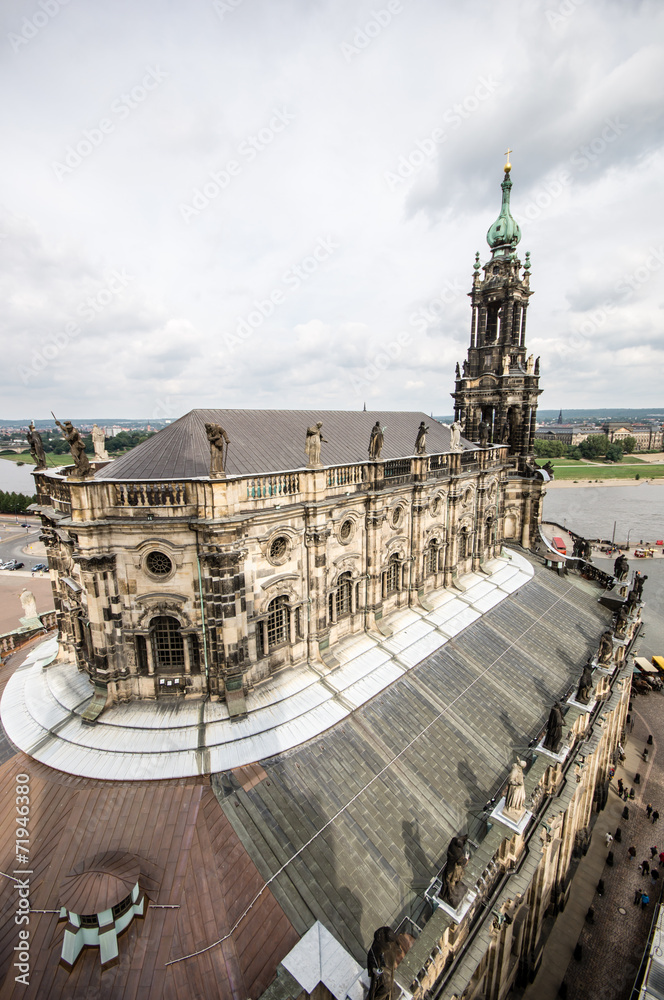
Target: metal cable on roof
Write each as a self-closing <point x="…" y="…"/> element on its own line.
<point x="378" y="774"/>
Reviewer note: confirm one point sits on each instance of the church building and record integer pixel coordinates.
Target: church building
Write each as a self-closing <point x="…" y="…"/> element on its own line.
<point x="318" y="722"/>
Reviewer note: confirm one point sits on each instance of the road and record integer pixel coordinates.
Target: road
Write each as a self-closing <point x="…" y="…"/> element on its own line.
<point x="15" y="539"/>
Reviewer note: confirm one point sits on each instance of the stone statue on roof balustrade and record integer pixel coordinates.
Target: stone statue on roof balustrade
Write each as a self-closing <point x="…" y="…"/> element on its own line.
<point x="219" y="442"/>
<point x="455" y="437"/>
<point x="99" y="443"/>
<point x="584" y="691"/>
<point x="376" y="442"/>
<point x="312" y="445"/>
<point x="76" y="447"/>
<point x="36" y="447"/>
<point x="515" y="796"/>
<point x="421" y="439"/>
<point x="554" y="729"/>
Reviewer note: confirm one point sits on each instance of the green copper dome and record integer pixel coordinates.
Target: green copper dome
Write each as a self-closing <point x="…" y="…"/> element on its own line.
<point x="505" y="233"/>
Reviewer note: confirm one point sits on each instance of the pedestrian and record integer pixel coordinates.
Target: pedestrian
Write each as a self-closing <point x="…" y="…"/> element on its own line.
<point x="632" y="793"/>
<point x="637" y="897"/>
<point x="645" y="867"/>
<point x="608" y="838"/>
<point x="620" y="787"/>
<point x="625" y="794"/>
<point x="653" y="852"/>
<point x="661" y="857"/>
<point x="655" y="815"/>
<point x="649" y="810"/>
<point x="631" y="853"/>
<point x="645" y="899"/>
<point x="654" y="875"/>
<point x="644" y="755"/>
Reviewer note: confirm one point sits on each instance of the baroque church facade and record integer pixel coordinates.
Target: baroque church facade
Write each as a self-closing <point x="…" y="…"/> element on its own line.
<point x="297" y="654"/>
<point x="171" y="577"/>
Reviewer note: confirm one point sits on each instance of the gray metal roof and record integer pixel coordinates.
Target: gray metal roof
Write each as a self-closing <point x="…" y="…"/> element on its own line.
<point x="273" y="441"/>
<point x="383" y="838"/>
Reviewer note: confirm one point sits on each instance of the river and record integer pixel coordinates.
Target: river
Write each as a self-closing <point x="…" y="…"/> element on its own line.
<point x="592" y="510"/>
<point x="16" y="478"/>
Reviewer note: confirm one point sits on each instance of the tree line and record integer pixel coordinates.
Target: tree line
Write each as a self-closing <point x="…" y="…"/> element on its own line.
<point x="15" y="503"/>
<point x="595" y="446"/>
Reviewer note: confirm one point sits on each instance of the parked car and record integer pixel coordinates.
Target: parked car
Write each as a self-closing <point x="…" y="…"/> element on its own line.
<point x="39" y="566"/>
<point x="17" y="565"/>
<point x="25" y="525"/>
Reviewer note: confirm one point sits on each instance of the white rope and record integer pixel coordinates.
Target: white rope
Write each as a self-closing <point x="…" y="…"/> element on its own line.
<point x="378" y="774"/>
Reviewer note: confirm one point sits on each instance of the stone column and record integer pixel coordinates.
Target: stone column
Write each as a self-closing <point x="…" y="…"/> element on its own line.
<point x="452" y="546"/>
<point x="525" y="527"/>
<point x="316" y="534"/>
<point x="375" y="516"/>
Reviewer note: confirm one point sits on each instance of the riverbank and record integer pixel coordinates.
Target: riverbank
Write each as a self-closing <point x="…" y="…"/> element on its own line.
<point x="561" y="484"/>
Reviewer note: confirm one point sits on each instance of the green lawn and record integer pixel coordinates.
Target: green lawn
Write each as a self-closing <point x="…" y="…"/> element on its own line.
<point x="27" y="459"/>
<point x="566" y="469"/>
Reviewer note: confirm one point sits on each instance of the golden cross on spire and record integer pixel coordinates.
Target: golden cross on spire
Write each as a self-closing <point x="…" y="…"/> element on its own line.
<point x="508" y="165"/>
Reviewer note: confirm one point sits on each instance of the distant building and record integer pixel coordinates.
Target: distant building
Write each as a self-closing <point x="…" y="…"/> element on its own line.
<point x="571" y="434"/>
<point x="648" y="436"/>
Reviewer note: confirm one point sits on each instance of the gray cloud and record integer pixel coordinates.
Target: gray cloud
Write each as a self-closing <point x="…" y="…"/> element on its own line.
<point x="578" y="96"/>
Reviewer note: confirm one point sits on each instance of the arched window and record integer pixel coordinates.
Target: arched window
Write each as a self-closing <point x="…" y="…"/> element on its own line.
<point x="278" y="622"/>
<point x="488" y="532"/>
<point x="463" y="543"/>
<point x="167" y="644"/>
<point x="344" y="595"/>
<point x="392" y="575"/>
<point x="431" y="558"/>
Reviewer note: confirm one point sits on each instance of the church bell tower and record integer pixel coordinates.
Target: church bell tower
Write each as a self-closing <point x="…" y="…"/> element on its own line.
<point x="496" y="393"/>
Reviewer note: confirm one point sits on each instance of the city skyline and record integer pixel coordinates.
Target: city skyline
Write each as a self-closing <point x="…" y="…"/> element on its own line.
<point x="246" y="206"/>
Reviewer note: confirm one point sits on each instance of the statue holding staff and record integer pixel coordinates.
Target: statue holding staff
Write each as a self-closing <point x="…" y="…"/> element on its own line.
<point x="76" y="446"/>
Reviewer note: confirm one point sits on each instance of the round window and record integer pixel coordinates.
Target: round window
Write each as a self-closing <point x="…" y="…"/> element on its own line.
<point x="279" y="548"/>
<point x="346" y="531"/>
<point x="159" y="564"/>
<point x="397" y="514"/>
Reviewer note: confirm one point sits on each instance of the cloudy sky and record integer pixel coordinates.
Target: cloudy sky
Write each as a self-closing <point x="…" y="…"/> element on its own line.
<point x="276" y="203"/>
